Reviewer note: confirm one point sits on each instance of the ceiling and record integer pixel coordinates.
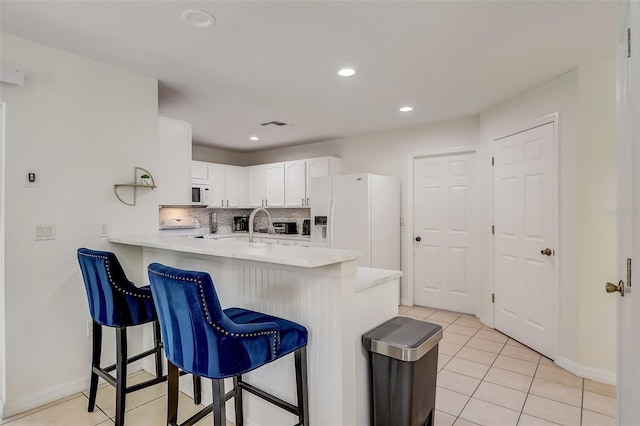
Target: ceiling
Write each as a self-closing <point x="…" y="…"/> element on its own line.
<point x="278" y="60"/>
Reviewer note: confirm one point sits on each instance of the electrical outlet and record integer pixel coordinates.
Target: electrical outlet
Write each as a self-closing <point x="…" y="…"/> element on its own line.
<point x="89" y="329"/>
<point x="104" y="230"/>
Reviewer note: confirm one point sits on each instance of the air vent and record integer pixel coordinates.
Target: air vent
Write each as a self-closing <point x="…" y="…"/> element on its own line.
<point x="274" y="123"/>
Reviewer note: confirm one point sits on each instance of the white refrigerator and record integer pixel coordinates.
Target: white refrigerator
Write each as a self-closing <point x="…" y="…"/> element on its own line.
<point x="358" y="212"/>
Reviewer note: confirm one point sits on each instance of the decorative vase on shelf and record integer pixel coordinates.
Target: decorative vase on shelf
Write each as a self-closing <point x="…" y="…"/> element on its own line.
<point x="145" y="179"/>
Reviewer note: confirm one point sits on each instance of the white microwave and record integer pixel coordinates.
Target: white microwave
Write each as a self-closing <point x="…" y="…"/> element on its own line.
<point x="200" y="194"/>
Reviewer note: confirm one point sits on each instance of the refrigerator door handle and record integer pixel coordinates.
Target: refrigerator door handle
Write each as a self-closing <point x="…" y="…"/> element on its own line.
<point x="331" y="222"/>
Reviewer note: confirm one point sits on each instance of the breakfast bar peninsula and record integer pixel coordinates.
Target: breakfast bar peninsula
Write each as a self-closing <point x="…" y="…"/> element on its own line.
<point x="322" y="289"/>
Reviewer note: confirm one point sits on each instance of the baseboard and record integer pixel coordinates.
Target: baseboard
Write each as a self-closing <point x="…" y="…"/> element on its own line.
<point x="43" y="397"/>
<point x="599" y="375"/>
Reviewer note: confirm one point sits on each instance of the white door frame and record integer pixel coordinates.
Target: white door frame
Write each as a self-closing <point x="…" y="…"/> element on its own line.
<point x="408" y="298"/>
<point x="3" y="371"/>
<point x="551" y="118"/>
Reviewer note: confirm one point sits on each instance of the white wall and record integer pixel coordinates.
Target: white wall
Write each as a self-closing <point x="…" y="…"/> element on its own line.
<point x="597" y="255"/>
<point x="2" y="250"/>
<point x="385" y="153"/>
<point x="213" y="155"/>
<point x="83" y="125"/>
<point x="585" y="102"/>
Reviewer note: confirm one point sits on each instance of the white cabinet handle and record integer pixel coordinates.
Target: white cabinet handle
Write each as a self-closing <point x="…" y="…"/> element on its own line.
<point x="227" y="203"/>
<point x="307" y="202"/>
<point x="303" y="201"/>
<point x="221" y="203"/>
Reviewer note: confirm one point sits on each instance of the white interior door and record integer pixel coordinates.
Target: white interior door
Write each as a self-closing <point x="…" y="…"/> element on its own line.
<point x="628" y="374"/>
<point x="445" y="232"/>
<point x="524" y="219"/>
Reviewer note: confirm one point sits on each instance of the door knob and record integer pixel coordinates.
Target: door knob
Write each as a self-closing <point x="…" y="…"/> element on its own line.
<point x="612" y="288"/>
<point x="546" y="252"/>
<point x="418" y="239"/>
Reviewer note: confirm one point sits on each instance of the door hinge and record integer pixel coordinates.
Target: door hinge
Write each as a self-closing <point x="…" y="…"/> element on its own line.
<point x="493" y="298"/>
<point x="493" y="161"/>
<point x="493" y="230"/>
<point x="629" y="42"/>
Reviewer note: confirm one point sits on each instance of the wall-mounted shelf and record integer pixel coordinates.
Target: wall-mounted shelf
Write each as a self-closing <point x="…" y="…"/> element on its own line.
<point x="146" y="183"/>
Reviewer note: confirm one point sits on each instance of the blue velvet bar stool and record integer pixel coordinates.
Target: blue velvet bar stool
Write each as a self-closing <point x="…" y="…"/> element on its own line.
<point x="116" y="302"/>
<point x="203" y="339"/>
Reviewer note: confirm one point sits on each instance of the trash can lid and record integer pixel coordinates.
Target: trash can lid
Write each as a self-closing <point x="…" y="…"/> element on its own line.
<point x="402" y="338"/>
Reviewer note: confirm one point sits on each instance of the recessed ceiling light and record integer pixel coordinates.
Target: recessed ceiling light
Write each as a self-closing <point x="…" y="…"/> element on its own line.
<point x="198" y="18"/>
<point x="347" y="72"/>
<point x="254" y="138"/>
<point x="406" y="109"/>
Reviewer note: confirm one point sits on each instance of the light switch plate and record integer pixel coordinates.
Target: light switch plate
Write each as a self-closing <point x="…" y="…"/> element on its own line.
<point x="45" y="232"/>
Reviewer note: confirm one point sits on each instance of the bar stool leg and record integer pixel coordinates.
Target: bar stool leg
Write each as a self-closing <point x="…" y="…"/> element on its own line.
<point x="121" y="374"/>
<point x="95" y="362"/>
<point x="219" y="415"/>
<point x="237" y="399"/>
<point x="173" y="377"/>
<point x="158" y="347"/>
<point x="197" y="390"/>
<point x="302" y="385"/>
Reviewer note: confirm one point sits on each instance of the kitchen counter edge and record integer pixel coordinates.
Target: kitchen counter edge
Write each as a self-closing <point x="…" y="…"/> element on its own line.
<point x="304" y="257"/>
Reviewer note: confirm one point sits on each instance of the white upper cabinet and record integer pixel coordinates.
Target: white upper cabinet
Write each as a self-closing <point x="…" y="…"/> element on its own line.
<point x="234" y="186"/>
<point x="295" y="176"/>
<point x="217" y="183"/>
<point x="256" y="180"/>
<point x="274" y="185"/>
<point x="173" y="177"/>
<point x="298" y="174"/>
<point x="199" y="172"/>
<point x="283" y="184"/>
<point x="227" y="185"/>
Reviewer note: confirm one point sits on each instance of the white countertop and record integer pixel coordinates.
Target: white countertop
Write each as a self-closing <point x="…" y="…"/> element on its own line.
<point x="305" y="257"/>
<point x="294" y="237"/>
<point x="371" y="277"/>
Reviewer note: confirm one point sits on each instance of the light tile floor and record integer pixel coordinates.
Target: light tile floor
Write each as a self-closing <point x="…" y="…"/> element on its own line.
<point x="146" y="407"/>
<point x="484" y="378"/>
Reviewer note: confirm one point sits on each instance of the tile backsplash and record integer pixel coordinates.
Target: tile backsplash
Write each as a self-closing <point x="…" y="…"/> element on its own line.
<point x="225" y="216"/>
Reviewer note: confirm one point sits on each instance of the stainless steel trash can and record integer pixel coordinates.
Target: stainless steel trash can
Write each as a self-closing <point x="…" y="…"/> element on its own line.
<point x="404" y="365"/>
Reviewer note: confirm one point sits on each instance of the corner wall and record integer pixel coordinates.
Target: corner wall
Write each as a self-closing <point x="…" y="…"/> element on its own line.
<point x="83" y="126"/>
<point x="586" y="248"/>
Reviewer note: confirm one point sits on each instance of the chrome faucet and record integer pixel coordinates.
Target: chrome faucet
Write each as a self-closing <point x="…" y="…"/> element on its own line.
<point x="270" y="229"/>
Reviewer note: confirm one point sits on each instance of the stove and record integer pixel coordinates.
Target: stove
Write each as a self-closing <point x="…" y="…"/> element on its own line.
<point x="179" y="226"/>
